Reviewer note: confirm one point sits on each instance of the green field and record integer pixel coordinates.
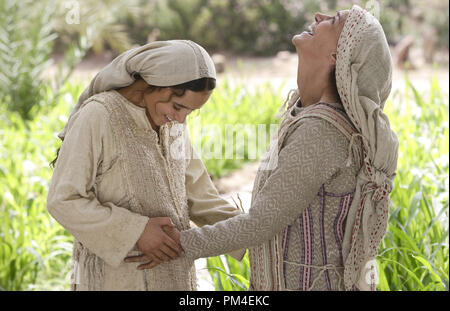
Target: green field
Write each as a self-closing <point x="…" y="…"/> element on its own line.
<point x="35" y="250"/>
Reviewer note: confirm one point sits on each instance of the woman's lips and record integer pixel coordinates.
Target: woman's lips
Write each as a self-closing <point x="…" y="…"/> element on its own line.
<point x="304" y="33"/>
<point x="167" y="118"/>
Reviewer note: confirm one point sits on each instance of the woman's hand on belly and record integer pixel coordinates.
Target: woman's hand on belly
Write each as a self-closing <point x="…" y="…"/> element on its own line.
<point x="159" y="242"/>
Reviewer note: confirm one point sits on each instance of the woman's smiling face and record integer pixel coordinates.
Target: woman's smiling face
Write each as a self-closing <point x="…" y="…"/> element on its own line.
<point x="165" y="106"/>
<point x="323" y="35"/>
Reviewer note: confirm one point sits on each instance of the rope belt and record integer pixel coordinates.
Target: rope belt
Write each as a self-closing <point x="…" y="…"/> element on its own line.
<point x="322" y="270"/>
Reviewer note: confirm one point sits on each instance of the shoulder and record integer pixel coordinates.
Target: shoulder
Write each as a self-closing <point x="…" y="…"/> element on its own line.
<point x="93" y="112"/>
<point x="93" y="117"/>
<point x="314" y="129"/>
<point x="319" y="137"/>
<point x="95" y="109"/>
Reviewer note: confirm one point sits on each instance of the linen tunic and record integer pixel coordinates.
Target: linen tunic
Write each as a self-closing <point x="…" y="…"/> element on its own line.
<point x="301" y="205"/>
<point x="88" y="197"/>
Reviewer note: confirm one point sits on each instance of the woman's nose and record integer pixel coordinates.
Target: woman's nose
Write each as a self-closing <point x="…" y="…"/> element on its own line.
<point x="180" y="116"/>
<point x="319" y="17"/>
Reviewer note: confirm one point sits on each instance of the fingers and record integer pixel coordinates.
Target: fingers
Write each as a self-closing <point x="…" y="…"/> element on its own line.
<point x="144" y="258"/>
<point x="165" y="254"/>
<point x="149" y="265"/>
<point x="159" y="240"/>
<point x="164" y="232"/>
<point x="173" y="233"/>
<point x="164" y="221"/>
<point x="173" y="245"/>
<point x="155" y="259"/>
<point x="169" y="252"/>
<point x="139" y="258"/>
<point x="161" y="255"/>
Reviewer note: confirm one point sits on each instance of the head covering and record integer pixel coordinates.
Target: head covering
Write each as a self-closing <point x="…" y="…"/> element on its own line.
<point x="159" y="63"/>
<point x="364" y="81"/>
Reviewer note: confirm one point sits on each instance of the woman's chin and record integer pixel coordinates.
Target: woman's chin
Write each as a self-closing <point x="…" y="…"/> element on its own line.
<point x="301" y="38"/>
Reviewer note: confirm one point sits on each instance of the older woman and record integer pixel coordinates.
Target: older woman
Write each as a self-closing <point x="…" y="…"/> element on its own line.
<point x="317" y="219"/>
<point x="125" y="159"/>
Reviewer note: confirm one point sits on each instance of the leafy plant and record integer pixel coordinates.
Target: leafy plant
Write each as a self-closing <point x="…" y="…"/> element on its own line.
<point x="228" y="274"/>
<point x="414" y="254"/>
<point x="103" y="21"/>
<point x="235" y="110"/>
<point x="26" y="45"/>
<point x="35" y="251"/>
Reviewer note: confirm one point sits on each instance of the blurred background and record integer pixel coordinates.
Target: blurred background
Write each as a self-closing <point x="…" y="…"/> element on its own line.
<point x="75" y="38"/>
<point x="243" y="27"/>
<point x="49" y="51"/>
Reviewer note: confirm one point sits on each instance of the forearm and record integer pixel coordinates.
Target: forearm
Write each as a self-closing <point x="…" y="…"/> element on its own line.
<point x="308" y="159"/>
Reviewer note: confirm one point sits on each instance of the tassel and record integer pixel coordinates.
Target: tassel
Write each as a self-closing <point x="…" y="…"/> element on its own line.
<point x="282" y="110"/>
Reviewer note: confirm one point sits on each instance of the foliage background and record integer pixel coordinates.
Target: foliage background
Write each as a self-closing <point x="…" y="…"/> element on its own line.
<point x="252" y="27"/>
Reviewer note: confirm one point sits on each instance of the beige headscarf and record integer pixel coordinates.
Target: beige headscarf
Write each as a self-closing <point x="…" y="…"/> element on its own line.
<point x="159" y="63"/>
<point x="364" y="80"/>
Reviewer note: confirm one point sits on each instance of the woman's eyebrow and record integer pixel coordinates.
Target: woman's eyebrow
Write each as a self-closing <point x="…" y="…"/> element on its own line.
<point x="183" y="106"/>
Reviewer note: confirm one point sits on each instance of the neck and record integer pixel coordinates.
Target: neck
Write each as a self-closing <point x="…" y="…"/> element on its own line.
<point x="316" y="86"/>
<point x="133" y="93"/>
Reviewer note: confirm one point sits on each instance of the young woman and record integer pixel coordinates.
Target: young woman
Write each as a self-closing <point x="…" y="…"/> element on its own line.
<point x="126" y="160"/>
<point x="317" y="219"/>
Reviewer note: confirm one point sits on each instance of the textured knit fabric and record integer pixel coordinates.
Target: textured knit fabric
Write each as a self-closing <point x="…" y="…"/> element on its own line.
<point x="364" y="81"/>
<point x="295" y="225"/>
<point x="112" y="174"/>
<point x="159" y="63"/>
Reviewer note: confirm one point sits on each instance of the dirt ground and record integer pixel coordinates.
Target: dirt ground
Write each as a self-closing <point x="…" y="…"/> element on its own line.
<point x="278" y="69"/>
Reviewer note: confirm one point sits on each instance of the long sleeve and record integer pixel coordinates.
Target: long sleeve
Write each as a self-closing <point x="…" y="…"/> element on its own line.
<point x="206" y="206"/>
<point x="310" y="156"/>
<point x="106" y="229"/>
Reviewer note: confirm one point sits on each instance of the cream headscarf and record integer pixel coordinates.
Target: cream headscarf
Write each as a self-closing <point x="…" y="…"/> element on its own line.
<point x="160" y="63"/>
<point x="364" y="80"/>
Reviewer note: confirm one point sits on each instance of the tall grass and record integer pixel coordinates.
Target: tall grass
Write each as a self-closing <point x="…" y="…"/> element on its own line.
<point x="229" y="274"/>
<point x="35" y="250"/>
<point x="414" y="255"/>
<point x="241" y="109"/>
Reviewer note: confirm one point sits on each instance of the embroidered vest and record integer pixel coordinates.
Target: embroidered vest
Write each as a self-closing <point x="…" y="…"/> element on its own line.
<point x="154" y="178"/>
<point x="266" y="259"/>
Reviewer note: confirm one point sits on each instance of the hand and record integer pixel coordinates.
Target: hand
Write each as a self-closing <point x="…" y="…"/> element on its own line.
<point x="156" y="245"/>
<point x="173" y="233"/>
<point x="149" y="263"/>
